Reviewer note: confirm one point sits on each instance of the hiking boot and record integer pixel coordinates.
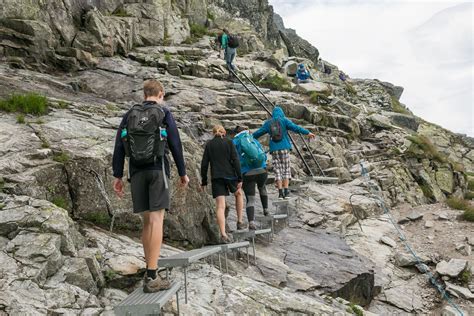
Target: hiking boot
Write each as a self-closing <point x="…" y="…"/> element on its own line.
<point x="155" y="285"/>
<point x="252" y="226"/>
<point x="265" y="212"/>
<point x="286" y="193"/>
<point x="241" y="226"/>
<point x="281" y="196"/>
<point x="227" y="240"/>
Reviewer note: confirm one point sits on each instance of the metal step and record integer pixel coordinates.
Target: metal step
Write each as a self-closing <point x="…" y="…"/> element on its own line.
<point x="141" y="303"/>
<point x="188" y="257"/>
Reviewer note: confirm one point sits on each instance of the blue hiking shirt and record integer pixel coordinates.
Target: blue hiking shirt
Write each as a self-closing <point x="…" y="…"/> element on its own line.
<point x="286" y="125"/>
<point x="243" y="166"/>
<point x="303" y="74"/>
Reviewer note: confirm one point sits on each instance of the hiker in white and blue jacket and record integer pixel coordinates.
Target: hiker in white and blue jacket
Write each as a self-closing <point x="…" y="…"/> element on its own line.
<point x="253" y="165"/>
<point x="280" y="146"/>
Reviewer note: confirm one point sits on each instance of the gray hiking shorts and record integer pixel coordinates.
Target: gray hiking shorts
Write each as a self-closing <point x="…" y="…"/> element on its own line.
<point x="149" y="192"/>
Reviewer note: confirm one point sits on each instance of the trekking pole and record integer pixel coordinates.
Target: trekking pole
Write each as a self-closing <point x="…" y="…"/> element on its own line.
<point x="268" y="111"/>
<point x="301" y="136"/>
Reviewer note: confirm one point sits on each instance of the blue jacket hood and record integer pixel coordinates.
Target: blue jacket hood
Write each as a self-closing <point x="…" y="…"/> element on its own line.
<point x="278" y="113"/>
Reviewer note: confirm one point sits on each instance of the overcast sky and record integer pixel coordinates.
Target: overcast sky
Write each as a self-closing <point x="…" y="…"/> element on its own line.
<point x="424" y="46"/>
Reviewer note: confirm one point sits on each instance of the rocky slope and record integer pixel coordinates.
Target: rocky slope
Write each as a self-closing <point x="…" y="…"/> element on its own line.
<point x="89" y="58"/>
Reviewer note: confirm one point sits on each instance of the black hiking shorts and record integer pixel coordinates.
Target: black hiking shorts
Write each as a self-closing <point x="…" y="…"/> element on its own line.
<point x="222" y="187"/>
<point x="150" y="191"/>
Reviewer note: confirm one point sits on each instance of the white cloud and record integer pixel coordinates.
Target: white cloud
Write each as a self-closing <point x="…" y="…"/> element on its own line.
<point x="424" y="46"/>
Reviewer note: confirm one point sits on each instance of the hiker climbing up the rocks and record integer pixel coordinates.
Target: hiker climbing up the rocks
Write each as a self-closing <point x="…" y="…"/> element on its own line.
<point x="280" y="146"/>
<point x="253" y="162"/>
<point x="303" y="75"/>
<point x="229" y="44"/>
<point x="226" y="177"/>
<point x="145" y="133"/>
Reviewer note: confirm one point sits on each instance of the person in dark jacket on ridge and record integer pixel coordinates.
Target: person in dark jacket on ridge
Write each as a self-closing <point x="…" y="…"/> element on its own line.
<point x="280" y="149"/>
<point x="226" y="176"/>
<point x="229" y="52"/>
<point x="252" y="175"/>
<point x="149" y="186"/>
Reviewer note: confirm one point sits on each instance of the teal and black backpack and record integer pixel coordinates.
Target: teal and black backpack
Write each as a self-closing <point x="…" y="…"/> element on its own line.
<point x="252" y="153"/>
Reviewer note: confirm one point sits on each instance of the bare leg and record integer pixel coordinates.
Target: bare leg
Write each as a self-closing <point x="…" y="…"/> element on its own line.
<point x="239" y="205"/>
<point x="220" y="210"/>
<point x="279" y="184"/>
<point x="286" y="182"/>
<point x="145" y="234"/>
<point x="154" y="238"/>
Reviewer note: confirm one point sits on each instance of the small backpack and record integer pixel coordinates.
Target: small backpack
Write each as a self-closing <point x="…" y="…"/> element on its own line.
<point x="252" y="154"/>
<point x="276" y="132"/>
<point x="146" y="134"/>
<point x="233" y="41"/>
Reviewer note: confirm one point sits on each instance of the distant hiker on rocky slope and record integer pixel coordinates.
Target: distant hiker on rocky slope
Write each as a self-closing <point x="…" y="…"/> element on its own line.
<point x="226" y="176"/>
<point x="229" y="44"/>
<point x="146" y="129"/>
<point x="253" y="162"/>
<point x="280" y="146"/>
<point x="302" y="75"/>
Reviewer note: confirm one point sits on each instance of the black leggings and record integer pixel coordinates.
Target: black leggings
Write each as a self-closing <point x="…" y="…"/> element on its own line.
<point x="249" y="189"/>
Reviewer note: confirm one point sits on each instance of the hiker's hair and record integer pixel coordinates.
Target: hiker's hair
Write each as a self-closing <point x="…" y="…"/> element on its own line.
<point x="152" y="88"/>
<point x="239" y="129"/>
<point x="219" y="130"/>
<point x="226" y="31"/>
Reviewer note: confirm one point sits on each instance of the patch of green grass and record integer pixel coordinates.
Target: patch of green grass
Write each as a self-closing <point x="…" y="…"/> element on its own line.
<point x="98" y="218"/>
<point x="350" y="89"/>
<point x="426" y="191"/>
<point x="319" y="98"/>
<point x="355" y="309"/>
<point x="466" y="276"/>
<point x="20" y="118"/>
<point x="198" y="30"/>
<point x="167" y="56"/>
<point x="425" y="144"/>
<point x="2" y="205"/>
<point x="61" y="157"/>
<point x="110" y="275"/>
<point x="39" y="121"/>
<point x="59" y="201"/>
<point x="190" y="40"/>
<point x="398" y="107"/>
<point x="111" y="107"/>
<point x="60" y="105"/>
<point x="273" y="82"/>
<point x="468" y="215"/>
<point x="120" y="12"/>
<point x="211" y="16"/>
<point x="470" y="185"/>
<point x="459" y="204"/>
<point x="30" y="103"/>
<point x="45" y="143"/>
<point x="469" y="195"/>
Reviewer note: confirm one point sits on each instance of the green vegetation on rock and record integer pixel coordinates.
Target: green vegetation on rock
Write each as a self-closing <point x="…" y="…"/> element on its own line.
<point x="459" y="204"/>
<point x="210" y="16"/>
<point x="20" y="118"/>
<point x="426" y="146"/>
<point x="466" y="276"/>
<point x="273" y="82"/>
<point x="468" y="215"/>
<point x="98" y="218"/>
<point x="167" y="56"/>
<point x="30" y="103"/>
<point x="120" y="12"/>
<point x="61" y="157"/>
<point x="198" y="30"/>
<point x="59" y="201"/>
<point x="355" y="310"/>
<point x="319" y="98"/>
<point x="398" y="107"/>
<point x="470" y="184"/>
<point x="469" y="195"/>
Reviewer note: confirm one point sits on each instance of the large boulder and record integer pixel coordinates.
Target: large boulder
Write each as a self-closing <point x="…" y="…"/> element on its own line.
<point x="452" y="268"/>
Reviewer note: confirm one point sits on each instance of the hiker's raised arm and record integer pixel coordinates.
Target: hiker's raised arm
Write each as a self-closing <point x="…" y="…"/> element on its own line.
<point x="295" y="128"/>
<point x="260" y="132"/>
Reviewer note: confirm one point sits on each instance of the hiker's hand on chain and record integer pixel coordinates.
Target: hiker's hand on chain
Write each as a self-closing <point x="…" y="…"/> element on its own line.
<point x="118" y="187"/>
<point x="184" y="181"/>
<point x="311" y="136"/>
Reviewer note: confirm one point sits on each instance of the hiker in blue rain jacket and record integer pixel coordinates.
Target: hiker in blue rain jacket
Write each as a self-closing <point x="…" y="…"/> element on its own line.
<point x="280" y="146"/>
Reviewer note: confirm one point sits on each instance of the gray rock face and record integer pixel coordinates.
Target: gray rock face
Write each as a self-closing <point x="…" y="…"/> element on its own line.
<point x="453" y="268"/>
<point x="459" y="291"/>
